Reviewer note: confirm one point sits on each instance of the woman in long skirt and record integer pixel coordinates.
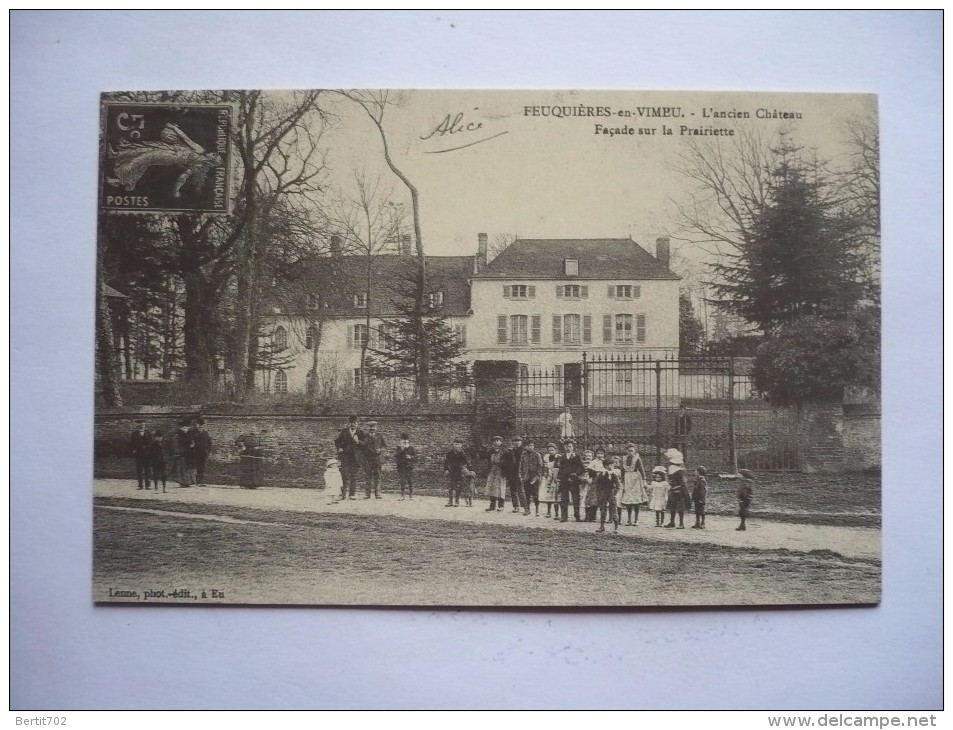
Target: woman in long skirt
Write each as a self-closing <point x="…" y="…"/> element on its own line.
<point x="186" y="441"/>
<point x="495" y="481"/>
<point x="251" y="467"/>
<point x="634" y="494"/>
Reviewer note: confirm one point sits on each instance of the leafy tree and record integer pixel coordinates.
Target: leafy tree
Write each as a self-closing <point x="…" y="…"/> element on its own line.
<point x="691" y="332"/>
<point x="814" y="358"/>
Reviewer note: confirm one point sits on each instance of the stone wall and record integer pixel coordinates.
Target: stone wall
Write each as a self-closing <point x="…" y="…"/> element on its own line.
<point x="299" y="444"/>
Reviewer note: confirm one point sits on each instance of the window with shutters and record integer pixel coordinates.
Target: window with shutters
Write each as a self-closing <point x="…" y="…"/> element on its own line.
<point x="280" y="338"/>
<point x="360" y="336"/>
<point x="357" y="377"/>
<point x="360" y="300"/>
<point x="519" y="329"/>
<point x="310" y="337"/>
<point x="623" y="380"/>
<point x="623" y="328"/>
<point x="501" y="329"/>
<point x="519" y="291"/>
<point x="640" y="328"/>
<point x="461" y="332"/>
<point x="572" y="329"/>
<point x="536" y="325"/>
<point x="575" y="291"/>
<point x="281" y="381"/>
<point x="586" y="329"/>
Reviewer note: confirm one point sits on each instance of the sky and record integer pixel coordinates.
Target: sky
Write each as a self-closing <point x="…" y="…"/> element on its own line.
<point x="507" y="168"/>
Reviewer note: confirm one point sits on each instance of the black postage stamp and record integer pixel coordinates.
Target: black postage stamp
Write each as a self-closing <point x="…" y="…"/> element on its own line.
<point x="166" y="158"/>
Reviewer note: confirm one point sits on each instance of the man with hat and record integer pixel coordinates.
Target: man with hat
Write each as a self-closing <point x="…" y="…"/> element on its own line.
<point x="373" y="446"/>
<point x="510" y="466"/>
<point x="203" y="447"/>
<point x="139" y="443"/>
<point x="348" y="444"/>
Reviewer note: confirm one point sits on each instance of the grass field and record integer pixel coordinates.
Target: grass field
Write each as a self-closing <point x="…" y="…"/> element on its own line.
<point x="281" y="557"/>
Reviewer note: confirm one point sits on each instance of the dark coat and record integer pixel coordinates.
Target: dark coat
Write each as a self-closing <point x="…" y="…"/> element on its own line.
<point x="347" y="447"/>
<point x="203" y="444"/>
<point x="405" y="458"/>
<point x="569" y="469"/>
<point x="455" y="462"/>
<point x="683" y="424"/>
<point x="510" y="464"/>
<point x="139" y="444"/>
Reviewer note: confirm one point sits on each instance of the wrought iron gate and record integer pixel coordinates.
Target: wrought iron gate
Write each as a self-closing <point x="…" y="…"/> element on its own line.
<point x="706" y="407"/>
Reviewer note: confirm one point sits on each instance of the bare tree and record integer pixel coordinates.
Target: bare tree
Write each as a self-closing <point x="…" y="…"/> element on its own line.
<point x="375" y="104"/>
<point x="369" y="221"/>
<point x="498" y="244"/>
<point x="861" y="180"/>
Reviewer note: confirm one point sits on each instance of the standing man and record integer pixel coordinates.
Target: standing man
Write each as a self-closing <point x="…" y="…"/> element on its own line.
<point x="683" y="430"/>
<point x="203" y="447"/>
<point x="139" y="445"/>
<point x="567" y="431"/>
<point x="569" y="470"/>
<point x="510" y="466"/>
<point x="531" y="475"/>
<point x="348" y="444"/>
<point x="374" y="446"/>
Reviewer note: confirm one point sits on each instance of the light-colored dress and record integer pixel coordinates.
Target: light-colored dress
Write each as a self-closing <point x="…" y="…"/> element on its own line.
<point x="633" y="485"/>
<point x="495" y="482"/>
<point x="549" y="488"/>
<point x="332" y="479"/>
<point x="658" y="495"/>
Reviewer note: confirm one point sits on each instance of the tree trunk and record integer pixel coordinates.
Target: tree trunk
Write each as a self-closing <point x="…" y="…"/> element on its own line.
<point x="107" y="364"/>
<point x="199" y="358"/>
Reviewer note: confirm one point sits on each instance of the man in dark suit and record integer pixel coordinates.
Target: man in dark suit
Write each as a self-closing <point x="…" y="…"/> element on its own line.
<point x="139" y="445"/>
<point x="350" y="447"/>
<point x="510" y="468"/>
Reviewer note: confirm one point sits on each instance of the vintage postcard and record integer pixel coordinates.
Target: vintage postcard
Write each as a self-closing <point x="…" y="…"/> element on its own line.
<point x="487" y="348"/>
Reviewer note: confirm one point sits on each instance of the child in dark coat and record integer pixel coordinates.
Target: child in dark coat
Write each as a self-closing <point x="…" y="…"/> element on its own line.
<point x="456" y="466"/>
<point x="699" y="497"/>
<point x="157" y="461"/>
<point x="745" y="493"/>
<point x="406" y="458"/>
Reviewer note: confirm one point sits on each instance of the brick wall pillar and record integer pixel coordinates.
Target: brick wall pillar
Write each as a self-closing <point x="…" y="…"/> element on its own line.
<point x="495" y="383"/>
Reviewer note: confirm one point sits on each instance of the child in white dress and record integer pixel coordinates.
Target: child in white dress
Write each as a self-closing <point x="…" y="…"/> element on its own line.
<point x="332" y="476"/>
<point x="658" y="491"/>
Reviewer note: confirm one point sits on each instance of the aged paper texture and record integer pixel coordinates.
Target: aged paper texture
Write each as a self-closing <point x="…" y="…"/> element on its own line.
<point x="488" y="348"/>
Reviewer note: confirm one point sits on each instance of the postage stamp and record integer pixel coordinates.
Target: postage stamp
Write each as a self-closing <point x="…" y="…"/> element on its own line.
<point x="166" y="158"/>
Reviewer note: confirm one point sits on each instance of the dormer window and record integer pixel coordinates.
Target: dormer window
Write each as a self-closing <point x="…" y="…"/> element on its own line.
<point x="571" y="267"/>
<point x="360" y="300"/>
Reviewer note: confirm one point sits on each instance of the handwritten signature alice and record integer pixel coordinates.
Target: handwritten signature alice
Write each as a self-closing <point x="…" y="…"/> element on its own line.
<point x="454" y="124"/>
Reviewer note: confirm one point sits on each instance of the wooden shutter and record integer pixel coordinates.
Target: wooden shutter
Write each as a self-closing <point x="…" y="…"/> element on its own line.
<point x="587" y="328"/>
<point x="506" y="291"/>
<point x="557" y="329"/>
<point x="611" y="291"/>
<point x="463" y="335"/>
<point x="584" y="292"/>
<point x="501" y="329"/>
<point x="536" y="326"/>
<point x="636" y="292"/>
<point x="607" y="328"/>
<point x="640" y="328"/>
<point x="559" y="292"/>
<point x="532" y="292"/>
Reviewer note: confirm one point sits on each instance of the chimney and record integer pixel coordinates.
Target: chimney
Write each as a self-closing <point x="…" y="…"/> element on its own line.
<point x="479" y="263"/>
<point x="405" y="245"/>
<point x="336" y="245"/>
<point x="663" y="250"/>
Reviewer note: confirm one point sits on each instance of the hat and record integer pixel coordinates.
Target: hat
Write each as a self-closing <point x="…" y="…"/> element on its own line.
<point x="551" y="445"/>
<point x="659" y="469"/>
<point x="701" y="471"/>
<point x="497" y="438"/>
<point x="352" y="419"/>
<point x="332" y="462"/>
<point x="630" y="445"/>
<point x="675" y="456"/>
<point x="517" y="437"/>
<point x="371" y="424"/>
<point x="405" y="437"/>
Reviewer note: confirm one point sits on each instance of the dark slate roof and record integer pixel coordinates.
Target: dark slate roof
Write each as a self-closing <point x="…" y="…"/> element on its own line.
<point x="599" y="258"/>
<point x="337" y="279"/>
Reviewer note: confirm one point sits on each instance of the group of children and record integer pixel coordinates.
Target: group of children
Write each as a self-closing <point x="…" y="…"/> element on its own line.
<point x="604" y="485"/>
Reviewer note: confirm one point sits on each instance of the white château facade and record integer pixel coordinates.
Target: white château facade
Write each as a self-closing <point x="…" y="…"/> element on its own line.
<point x="541" y="303"/>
